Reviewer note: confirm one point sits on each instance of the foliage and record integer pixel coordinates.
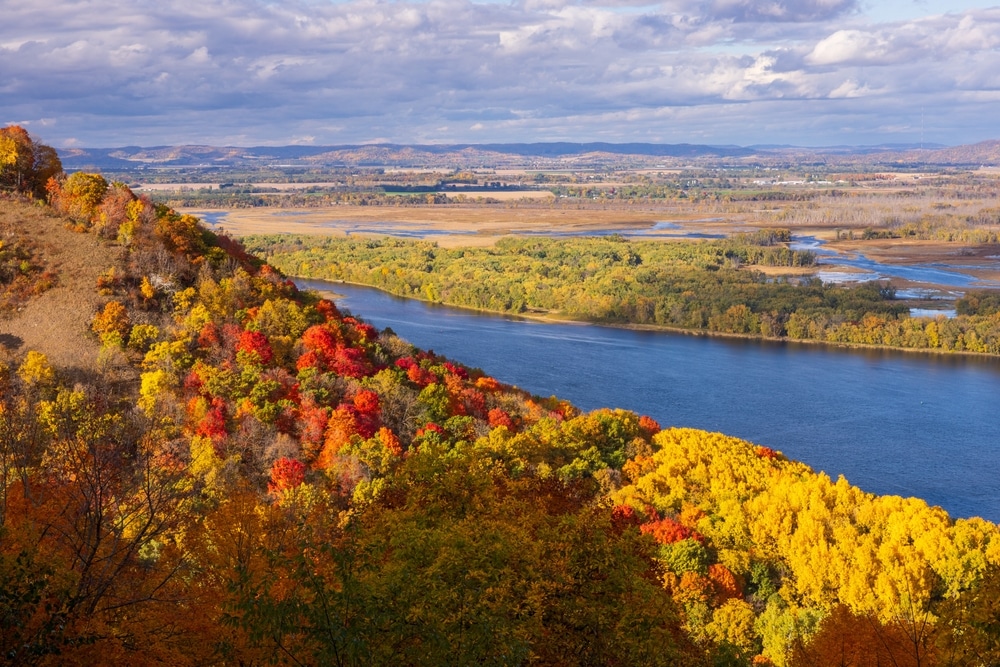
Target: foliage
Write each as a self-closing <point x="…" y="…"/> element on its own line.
<point x="25" y="164"/>
<point x="701" y="286"/>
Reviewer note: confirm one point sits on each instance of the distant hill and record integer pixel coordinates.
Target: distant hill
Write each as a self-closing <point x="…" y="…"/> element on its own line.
<point x="982" y="153"/>
<point x="128" y="157"/>
<point x="549" y="155"/>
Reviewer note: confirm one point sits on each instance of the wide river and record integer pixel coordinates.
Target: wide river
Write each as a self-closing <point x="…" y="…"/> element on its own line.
<point x="891" y="423"/>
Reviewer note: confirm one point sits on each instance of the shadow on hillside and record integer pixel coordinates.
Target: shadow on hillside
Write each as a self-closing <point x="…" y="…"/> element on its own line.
<point x="10" y="342"/>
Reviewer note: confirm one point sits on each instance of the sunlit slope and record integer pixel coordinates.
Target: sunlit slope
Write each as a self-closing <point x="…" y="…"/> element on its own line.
<point x="55" y="290"/>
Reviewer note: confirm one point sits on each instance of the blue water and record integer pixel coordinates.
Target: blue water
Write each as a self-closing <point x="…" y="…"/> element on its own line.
<point x="891" y="423"/>
<point x="936" y="274"/>
<point x="213" y="218"/>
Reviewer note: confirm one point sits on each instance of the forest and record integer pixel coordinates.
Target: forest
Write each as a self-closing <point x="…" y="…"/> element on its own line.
<point x="251" y="475"/>
<point x="710" y="286"/>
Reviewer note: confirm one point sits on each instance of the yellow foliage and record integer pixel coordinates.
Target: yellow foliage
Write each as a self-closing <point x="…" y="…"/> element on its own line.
<point x="154" y="384"/>
<point x="733" y="623"/>
<point x="168" y="355"/>
<point x="55" y="415"/>
<point x="881" y="555"/>
<point x="147" y="289"/>
<point x="113" y="319"/>
<point x="184" y="299"/>
<point x="203" y="456"/>
<point x="142" y="335"/>
<point x="36" y="370"/>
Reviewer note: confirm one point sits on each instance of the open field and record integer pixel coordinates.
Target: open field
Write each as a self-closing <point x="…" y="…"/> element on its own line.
<point x="449" y="226"/>
<point x="505" y="195"/>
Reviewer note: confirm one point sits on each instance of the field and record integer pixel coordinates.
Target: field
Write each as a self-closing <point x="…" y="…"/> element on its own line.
<point x="449" y="226"/>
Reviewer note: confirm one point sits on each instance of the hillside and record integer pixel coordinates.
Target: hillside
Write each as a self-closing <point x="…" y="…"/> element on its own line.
<point x="57" y="321"/>
<point x="287" y="485"/>
<point x="555" y="155"/>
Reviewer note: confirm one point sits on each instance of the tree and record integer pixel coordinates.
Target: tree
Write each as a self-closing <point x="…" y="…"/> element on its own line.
<point x="26" y="165"/>
<point x="79" y="196"/>
<point x="845" y="639"/>
<point x="86" y="564"/>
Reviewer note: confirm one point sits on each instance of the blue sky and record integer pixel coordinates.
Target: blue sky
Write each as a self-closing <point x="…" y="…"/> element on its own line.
<point x="249" y="72"/>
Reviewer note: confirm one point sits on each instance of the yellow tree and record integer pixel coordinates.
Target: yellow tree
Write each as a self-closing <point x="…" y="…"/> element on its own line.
<point x="25" y="165"/>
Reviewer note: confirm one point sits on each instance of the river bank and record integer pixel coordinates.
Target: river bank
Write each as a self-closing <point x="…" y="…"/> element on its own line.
<point x="551" y="318"/>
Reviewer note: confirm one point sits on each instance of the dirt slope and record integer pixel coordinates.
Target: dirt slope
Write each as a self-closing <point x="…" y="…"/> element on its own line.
<point x="57" y="323"/>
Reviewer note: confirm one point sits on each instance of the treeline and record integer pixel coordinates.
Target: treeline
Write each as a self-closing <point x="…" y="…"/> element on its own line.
<point x="287" y="485"/>
<point x="319" y="198"/>
<point x="970" y="229"/>
<point x="680" y="190"/>
<point x="700" y="286"/>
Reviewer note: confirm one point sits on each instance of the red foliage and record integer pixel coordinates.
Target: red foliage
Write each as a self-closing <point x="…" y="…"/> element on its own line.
<point x="473" y="402"/>
<point x="312" y="424"/>
<point x="766" y="452"/>
<point x="430" y="427"/>
<point x="350" y="362"/>
<point x="390" y="441"/>
<point x="455" y="370"/>
<point x="286" y="474"/>
<point x="235" y="249"/>
<point x="229" y="335"/>
<point x="648" y="426"/>
<point x="213" y="424"/>
<point x="210" y="336"/>
<point x="326" y="351"/>
<point x="668" y="531"/>
<point x="488" y="384"/>
<point x="499" y="417"/>
<point x="365" y="332"/>
<point x="366" y="401"/>
<point x="193" y="382"/>
<point x="406" y="363"/>
<point x="309" y="360"/>
<point x="286" y="420"/>
<point x="421" y="376"/>
<point x="366" y="411"/>
<point x="327" y="309"/>
<point x="320" y="339"/>
<point x="623" y="516"/>
<point x="255" y="343"/>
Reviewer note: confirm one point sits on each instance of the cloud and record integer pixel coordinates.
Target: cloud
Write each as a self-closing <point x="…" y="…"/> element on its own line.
<point x="231" y="71"/>
<point x="849" y="46"/>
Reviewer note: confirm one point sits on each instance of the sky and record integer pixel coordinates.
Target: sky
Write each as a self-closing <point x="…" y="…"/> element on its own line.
<point x="106" y="73"/>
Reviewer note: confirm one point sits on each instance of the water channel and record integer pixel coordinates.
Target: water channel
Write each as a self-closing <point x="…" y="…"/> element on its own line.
<point x="891" y="423"/>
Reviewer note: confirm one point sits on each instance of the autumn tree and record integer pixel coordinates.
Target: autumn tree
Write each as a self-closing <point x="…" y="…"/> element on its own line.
<point x="84" y="561"/>
<point x="26" y="165"/>
<point x="79" y="196"/>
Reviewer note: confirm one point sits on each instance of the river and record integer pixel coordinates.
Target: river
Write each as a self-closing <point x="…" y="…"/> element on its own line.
<point x="891" y="423"/>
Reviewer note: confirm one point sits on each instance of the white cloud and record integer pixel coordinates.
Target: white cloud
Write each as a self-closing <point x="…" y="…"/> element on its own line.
<point x="849" y="88"/>
<point x="848" y="46"/>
